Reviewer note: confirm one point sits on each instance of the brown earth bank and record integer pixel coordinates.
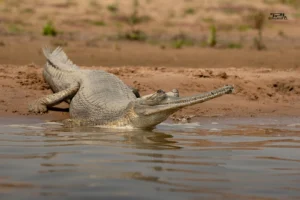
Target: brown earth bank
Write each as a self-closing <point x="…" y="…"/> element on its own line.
<point x="20" y="51"/>
<point x="258" y="91"/>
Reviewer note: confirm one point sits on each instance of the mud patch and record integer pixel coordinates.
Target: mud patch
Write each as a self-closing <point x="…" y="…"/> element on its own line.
<point x="32" y="80"/>
<point x="287" y="86"/>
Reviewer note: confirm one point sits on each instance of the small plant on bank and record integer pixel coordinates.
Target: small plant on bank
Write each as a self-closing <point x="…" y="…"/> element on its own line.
<point x="189" y="11"/>
<point x="212" y="38"/>
<point x="178" y="44"/>
<point x="135" y="17"/>
<point x="181" y="40"/>
<point x="259" y="22"/>
<point x="135" y="35"/>
<point x="49" y="29"/>
<point x="113" y="8"/>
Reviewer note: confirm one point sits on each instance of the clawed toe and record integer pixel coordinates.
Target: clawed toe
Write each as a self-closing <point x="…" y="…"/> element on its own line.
<point x="37" y="108"/>
<point x="70" y="123"/>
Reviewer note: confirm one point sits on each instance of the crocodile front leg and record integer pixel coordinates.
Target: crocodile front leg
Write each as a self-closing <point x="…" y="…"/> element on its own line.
<point x="135" y="91"/>
<point x="41" y="105"/>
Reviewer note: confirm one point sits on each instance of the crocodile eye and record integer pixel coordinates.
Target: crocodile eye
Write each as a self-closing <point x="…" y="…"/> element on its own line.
<point x="160" y="91"/>
<point x="175" y="91"/>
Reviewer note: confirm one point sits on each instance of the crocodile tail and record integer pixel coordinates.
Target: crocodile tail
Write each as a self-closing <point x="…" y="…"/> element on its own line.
<point x="59" y="59"/>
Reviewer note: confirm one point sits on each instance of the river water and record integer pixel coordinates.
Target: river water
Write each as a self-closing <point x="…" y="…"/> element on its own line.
<point x="214" y="158"/>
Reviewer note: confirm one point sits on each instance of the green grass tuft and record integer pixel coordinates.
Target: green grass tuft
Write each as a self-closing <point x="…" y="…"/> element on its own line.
<point x="259" y="19"/>
<point x="212" y="39"/>
<point x="181" y="40"/>
<point x="134" y="17"/>
<point x="189" y="11"/>
<point x="49" y="29"/>
<point x="134" y="35"/>
<point x="113" y="8"/>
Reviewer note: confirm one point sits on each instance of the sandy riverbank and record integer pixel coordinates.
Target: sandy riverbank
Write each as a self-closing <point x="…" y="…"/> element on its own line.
<point x="258" y="92"/>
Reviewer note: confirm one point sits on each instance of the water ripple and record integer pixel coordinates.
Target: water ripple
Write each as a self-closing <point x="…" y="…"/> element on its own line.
<point x="244" y="159"/>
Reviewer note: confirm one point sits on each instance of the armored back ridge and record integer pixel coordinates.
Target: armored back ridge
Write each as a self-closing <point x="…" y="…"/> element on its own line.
<point x="102" y="97"/>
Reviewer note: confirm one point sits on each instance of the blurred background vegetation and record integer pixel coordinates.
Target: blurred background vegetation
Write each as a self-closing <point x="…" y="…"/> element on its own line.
<point x="173" y="24"/>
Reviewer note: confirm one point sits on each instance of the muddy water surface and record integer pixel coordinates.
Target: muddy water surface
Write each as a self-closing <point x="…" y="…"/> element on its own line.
<point x="213" y="158"/>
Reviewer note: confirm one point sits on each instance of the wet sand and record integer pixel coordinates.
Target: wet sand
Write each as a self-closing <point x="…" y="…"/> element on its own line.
<point x="258" y="91"/>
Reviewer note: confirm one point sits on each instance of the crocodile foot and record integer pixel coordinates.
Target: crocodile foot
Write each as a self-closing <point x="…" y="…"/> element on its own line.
<point x="37" y="108"/>
<point x="68" y="123"/>
<point x="71" y="123"/>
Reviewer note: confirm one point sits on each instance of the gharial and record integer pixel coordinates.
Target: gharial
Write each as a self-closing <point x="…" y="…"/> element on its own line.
<point x="99" y="98"/>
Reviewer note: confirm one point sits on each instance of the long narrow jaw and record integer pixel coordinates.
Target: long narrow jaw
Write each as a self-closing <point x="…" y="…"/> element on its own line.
<point x="175" y="103"/>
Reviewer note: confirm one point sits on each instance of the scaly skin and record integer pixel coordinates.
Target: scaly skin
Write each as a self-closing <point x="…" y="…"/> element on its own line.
<point x="98" y="98"/>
